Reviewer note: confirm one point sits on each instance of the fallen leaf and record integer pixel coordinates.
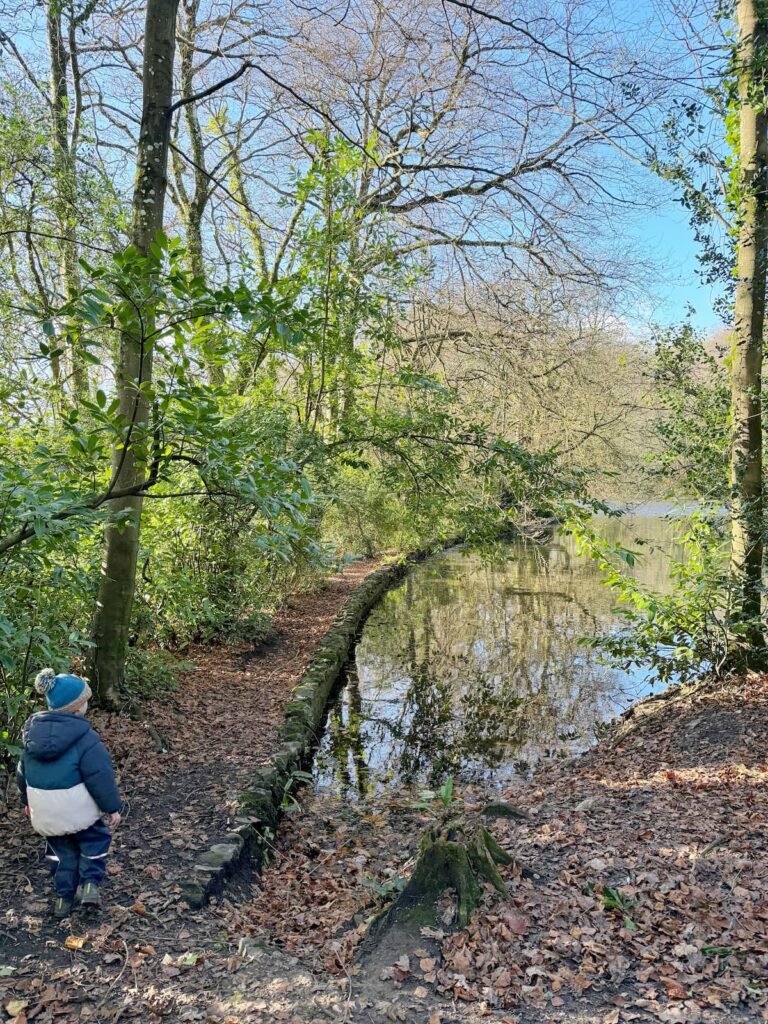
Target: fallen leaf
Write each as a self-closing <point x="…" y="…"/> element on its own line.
<point x="462" y="960"/>
<point x="674" y="989"/>
<point x="75" y="941"/>
<point x="587" y="805"/>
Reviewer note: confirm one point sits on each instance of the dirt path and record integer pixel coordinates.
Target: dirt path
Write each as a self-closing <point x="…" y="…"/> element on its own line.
<point x="221" y="724"/>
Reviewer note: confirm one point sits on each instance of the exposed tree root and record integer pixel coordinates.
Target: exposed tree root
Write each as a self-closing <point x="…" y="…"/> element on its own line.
<point x="459" y="855"/>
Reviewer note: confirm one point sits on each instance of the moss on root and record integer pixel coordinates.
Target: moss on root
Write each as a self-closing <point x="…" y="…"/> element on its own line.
<point x="458" y="856"/>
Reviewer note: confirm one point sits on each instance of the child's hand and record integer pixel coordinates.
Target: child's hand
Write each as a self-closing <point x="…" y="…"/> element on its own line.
<point x="26" y="810"/>
<point x="114" y="819"/>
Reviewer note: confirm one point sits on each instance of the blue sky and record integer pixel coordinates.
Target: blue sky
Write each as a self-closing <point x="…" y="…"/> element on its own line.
<point x="663" y="233"/>
<point x="668" y="238"/>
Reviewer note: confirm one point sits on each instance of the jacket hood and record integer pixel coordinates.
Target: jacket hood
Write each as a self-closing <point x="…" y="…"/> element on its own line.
<point x="51" y="733"/>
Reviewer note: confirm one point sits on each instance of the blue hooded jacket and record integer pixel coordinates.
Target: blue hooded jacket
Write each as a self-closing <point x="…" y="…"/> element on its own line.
<point x="65" y="774"/>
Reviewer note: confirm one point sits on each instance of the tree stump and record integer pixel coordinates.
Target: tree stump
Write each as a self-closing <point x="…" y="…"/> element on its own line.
<point x="456" y="855"/>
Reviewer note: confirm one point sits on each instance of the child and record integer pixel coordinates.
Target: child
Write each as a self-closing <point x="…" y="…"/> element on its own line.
<point x="67" y="783"/>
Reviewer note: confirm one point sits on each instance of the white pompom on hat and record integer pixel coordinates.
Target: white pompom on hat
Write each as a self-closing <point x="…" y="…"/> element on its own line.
<point x="63" y="692"/>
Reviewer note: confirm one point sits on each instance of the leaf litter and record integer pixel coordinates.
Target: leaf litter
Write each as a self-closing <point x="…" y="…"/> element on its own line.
<point x="647" y="898"/>
<point x="648" y="895"/>
<point x="220" y="725"/>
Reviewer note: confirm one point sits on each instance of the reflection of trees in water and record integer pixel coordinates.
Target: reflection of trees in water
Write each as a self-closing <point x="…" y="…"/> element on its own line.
<point x="477" y="665"/>
<point x="427" y="725"/>
<point x="344" y="731"/>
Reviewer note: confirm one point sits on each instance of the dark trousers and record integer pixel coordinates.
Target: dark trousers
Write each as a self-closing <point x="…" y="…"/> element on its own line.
<point x="78" y="858"/>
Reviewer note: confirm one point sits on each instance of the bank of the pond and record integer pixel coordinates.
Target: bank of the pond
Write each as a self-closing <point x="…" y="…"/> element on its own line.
<point x="260" y="802"/>
<point x="646" y="902"/>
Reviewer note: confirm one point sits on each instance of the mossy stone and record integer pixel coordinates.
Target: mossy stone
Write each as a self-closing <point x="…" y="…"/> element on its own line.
<point x="245" y="830"/>
<point x="221" y="855"/>
<point x="260" y="804"/>
<point x="194" y="894"/>
<point x="235" y="839"/>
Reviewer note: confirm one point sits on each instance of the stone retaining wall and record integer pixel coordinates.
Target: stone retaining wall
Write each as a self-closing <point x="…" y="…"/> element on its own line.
<point x="261" y="804"/>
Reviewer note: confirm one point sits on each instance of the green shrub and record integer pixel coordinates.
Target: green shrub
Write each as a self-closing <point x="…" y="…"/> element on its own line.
<point x="682" y="635"/>
<point x="369" y="513"/>
<point x="43" y="621"/>
<point x="152" y="672"/>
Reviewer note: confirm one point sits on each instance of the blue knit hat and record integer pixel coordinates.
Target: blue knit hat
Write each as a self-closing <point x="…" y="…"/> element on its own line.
<point x="63" y="692"/>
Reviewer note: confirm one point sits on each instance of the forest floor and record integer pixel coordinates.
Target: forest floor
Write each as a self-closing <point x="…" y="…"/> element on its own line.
<point x="647" y="901"/>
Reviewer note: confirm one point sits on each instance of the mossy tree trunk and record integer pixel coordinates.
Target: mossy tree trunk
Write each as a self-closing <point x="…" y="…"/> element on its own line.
<point x="749" y="314"/>
<point x="117" y="583"/>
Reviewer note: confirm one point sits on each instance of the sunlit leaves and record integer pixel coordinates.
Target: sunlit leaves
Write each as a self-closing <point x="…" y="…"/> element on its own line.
<point x="681" y="635"/>
<point x="198" y="441"/>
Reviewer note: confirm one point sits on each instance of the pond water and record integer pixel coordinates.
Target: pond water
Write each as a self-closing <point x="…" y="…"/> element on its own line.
<point x="476" y="670"/>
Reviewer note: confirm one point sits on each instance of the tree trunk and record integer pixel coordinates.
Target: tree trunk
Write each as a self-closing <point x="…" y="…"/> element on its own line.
<point x="118" y="576"/>
<point x="747" y="454"/>
<point x="193" y="206"/>
<point x="65" y="178"/>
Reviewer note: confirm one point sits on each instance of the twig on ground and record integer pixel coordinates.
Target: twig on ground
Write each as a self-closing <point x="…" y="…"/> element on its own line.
<point x="115" y="979"/>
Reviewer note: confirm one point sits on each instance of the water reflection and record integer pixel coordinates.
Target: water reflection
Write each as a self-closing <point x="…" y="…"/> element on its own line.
<point x="476" y="670"/>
